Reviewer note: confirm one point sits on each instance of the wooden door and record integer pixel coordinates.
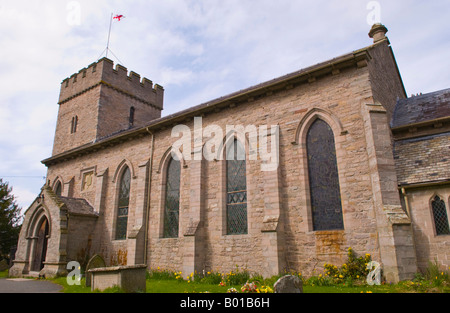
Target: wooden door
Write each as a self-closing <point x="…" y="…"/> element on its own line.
<point x="40" y="250"/>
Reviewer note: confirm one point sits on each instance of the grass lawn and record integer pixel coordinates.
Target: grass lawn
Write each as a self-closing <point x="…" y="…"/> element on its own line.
<point x="332" y="281"/>
<point x="174" y="286"/>
<point x="4" y="274"/>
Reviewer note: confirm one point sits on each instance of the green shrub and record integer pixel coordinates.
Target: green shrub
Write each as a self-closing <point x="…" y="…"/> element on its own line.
<point x="353" y="270"/>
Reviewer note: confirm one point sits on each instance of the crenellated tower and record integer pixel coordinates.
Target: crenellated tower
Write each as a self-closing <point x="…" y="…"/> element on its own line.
<point x="101" y="100"/>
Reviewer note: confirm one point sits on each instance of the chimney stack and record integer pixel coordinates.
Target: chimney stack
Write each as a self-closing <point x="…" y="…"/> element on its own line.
<point x="378" y="32"/>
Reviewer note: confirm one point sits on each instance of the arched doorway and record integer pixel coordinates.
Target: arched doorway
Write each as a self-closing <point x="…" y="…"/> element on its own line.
<point x="40" y="248"/>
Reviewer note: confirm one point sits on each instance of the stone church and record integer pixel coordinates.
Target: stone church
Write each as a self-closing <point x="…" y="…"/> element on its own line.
<point x="360" y="165"/>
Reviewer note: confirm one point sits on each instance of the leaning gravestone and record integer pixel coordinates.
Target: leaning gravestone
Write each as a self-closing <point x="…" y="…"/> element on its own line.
<point x="95" y="262"/>
<point x="288" y="284"/>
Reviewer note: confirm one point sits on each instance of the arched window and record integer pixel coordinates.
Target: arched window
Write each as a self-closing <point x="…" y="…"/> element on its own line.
<point x="172" y="201"/>
<point x="324" y="186"/>
<point x="236" y="189"/>
<point x="440" y="216"/>
<point x="58" y="189"/>
<point x="124" y="201"/>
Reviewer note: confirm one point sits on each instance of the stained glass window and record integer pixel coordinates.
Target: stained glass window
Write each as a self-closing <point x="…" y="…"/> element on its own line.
<point x="172" y="203"/>
<point x="236" y="189"/>
<point x="122" y="210"/>
<point x="440" y="216"/>
<point x="323" y="178"/>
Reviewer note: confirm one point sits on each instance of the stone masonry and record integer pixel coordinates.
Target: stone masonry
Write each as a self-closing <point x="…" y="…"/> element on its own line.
<point x="355" y="94"/>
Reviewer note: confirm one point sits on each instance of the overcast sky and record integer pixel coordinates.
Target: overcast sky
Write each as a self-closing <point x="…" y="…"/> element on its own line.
<point x="198" y="50"/>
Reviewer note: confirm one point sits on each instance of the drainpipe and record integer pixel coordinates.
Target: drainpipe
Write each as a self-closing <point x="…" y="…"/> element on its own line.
<point x="405" y="197"/>
<point x="147" y="214"/>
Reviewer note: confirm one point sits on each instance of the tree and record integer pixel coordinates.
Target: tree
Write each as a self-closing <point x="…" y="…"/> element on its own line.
<point x="10" y="218"/>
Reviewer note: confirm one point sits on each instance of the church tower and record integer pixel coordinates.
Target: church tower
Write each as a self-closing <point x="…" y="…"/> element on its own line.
<point x="100" y="101"/>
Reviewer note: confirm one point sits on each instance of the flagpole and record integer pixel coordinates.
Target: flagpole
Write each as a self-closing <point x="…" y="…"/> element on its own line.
<point x="109" y="34"/>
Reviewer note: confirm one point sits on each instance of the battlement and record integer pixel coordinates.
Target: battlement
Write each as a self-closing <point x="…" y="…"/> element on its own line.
<point x="104" y="73"/>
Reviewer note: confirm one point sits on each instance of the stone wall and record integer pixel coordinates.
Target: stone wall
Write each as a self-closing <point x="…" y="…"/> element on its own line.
<point x="280" y="234"/>
<point x="336" y="99"/>
<point x="429" y="246"/>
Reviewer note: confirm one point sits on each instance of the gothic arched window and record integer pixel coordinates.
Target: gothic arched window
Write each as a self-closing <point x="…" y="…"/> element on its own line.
<point x="58" y="189"/>
<point x="324" y="186"/>
<point x="123" y="206"/>
<point x="440" y="216"/>
<point x="236" y="189"/>
<point x="172" y="203"/>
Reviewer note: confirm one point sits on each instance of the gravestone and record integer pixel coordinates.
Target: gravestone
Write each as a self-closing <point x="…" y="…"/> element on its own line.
<point x="130" y="279"/>
<point x="288" y="284"/>
<point x="95" y="262"/>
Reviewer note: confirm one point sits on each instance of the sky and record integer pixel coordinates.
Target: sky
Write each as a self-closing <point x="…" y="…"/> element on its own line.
<point x="198" y="50"/>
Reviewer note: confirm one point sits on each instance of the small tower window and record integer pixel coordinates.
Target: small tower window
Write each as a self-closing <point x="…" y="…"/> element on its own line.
<point x="74" y="125"/>
<point x="132" y="111"/>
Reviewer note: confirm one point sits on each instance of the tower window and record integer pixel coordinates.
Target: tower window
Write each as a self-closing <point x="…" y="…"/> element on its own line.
<point x="73" y="128"/>
<point x="132" y="111"/>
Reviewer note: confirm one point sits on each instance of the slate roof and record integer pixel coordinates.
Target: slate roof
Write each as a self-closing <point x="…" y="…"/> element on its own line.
<point x="78" y="207"/>
<point x="423" y="158"/>
<point x="422" y="108"/>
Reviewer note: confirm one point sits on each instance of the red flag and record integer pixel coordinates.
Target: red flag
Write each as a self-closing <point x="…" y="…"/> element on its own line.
<point x="118" y="17"/>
